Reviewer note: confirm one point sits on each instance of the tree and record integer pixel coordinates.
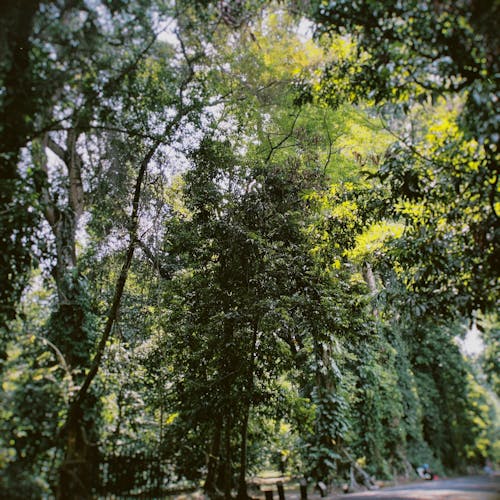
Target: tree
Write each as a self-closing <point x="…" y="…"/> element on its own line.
<point x="107" y="86"/>
<point x="408" y="54"/>
<point x="491" y="338"/>
<point x="17" y="105"/>
<point x="245" y="261"/>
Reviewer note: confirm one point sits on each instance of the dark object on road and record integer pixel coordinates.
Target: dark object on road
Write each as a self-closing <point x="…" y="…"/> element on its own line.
<point x="425" y="473"/>
<point x="303" y="489"/>
<point x="321" y="486"/>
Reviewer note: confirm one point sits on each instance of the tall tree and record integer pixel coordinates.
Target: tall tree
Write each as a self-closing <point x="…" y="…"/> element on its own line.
<point x="407" y="54"/>
<point x="18" y="104"/>
<point x="106" y="83"/>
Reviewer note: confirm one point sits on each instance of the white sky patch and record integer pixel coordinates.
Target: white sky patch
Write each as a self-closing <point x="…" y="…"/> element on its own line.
<point x="472" y="344"/>
<point x="82" y="236"/>
<point x="166" y="32"/>
<point x="305" y="30"/>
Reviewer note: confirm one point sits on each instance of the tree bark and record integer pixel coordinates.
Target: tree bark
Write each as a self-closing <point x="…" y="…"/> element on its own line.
<point x="78" y="468"/>
<point x="227" y="469"/>
<point x="213" y="460"/>
<point x="370" y="278"/>
<point x="242" y="484"/>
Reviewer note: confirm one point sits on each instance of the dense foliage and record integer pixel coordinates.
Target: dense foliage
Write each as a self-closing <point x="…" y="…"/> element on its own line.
<point x="234" y="246"/>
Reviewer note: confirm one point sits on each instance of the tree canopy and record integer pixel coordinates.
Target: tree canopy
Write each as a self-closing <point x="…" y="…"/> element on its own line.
<point x="245" y="236"/>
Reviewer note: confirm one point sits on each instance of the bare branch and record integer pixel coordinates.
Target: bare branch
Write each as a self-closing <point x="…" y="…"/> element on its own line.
<point x="59" y="151"/>
<point x="287" y="136"/>
<point x="154" y="260"/>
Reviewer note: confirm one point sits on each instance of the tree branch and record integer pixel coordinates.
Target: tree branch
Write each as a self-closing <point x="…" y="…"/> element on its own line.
<point x="120" y="285"/>
<point x="74" y="165"/>
<point x="287" y="136"/>
<point x="58" y="150"/>
<point x="154" y="260"/>
<point x="49" y="207"/>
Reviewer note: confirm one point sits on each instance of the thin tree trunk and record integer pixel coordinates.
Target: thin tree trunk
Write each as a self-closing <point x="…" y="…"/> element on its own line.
<point x="227" y="469"/>
<point x="371" y="282"/>
<point x="370" y="278"/>
<point x="213" y="459"/>
<point x="242" y="484"/>
<point x="116" y="432"/>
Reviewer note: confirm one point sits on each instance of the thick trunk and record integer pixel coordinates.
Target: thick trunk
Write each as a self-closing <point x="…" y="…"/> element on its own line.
<point x="68" y="331"/>
<point x="327" y="433"/>
<point x="68" y="326"/>
<point x="68" y="322"/>
<point x="78" y="472"/>
<point x="18" y="106"/>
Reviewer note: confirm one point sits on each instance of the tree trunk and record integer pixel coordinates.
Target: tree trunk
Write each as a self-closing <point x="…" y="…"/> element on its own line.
<point x="370" y="278"/>
<point x="77" y="457"/>
<point x="242" y="483"/>
<point x="213" y="460"/>
<point x="328" y="435"/>
<point x="227" y="471"/>
<point x="76" y="477"/>
<point x="78" y="471"/>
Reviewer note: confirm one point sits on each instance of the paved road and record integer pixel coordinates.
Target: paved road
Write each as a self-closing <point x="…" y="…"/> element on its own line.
<point x="464" y="488"/>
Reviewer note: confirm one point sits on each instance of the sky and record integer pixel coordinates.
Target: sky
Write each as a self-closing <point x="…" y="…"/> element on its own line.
<point x="472" y="344"/>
